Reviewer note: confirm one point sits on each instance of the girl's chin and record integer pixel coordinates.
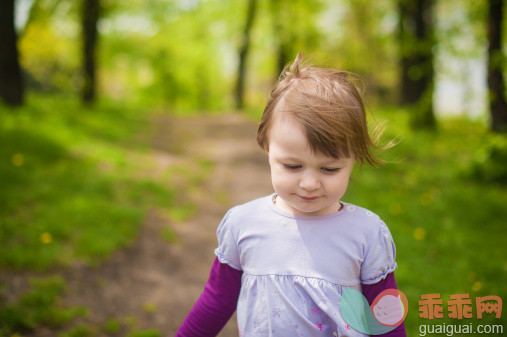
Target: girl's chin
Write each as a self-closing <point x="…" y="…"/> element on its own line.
<point x="301" y="210"/>
<point x="296" y="205"/>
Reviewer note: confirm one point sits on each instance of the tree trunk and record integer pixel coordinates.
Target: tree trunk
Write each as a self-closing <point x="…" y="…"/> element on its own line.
<point x="90" y="12"/>
<point x="243" y="53"/>
<point x="11" y="80"/>
<point x="281" y="35"/>
<point x="496" y="84"/>
<point x="416" y="59"/>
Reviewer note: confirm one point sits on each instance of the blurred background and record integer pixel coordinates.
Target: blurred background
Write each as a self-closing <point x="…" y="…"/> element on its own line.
<point x="127" y="129"/>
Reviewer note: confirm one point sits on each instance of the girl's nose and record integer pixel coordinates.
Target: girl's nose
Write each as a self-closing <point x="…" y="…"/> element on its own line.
<point x="309" y="181"/>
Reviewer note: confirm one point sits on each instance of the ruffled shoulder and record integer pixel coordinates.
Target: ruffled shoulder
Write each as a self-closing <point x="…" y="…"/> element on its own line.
<point x="227" y="250"/>
<point x="380" y="258"/>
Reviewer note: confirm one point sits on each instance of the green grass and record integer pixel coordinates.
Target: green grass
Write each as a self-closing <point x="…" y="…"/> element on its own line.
<point x="145" y="333"/>
<point x="80" y="330"/>
<point x="112" y="326"/>
<point x="38" y="306"/>
<point x="443" y="198"/>
<point x="75" y="185"/>
<point x="70" y="185"/>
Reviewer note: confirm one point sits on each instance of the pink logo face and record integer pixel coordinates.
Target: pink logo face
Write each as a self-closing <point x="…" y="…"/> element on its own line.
<point x="389" y="307"/>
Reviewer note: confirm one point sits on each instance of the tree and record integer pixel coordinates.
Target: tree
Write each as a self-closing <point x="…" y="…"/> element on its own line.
<point x="284" y="37"/>
<point x="243" y="53"/>
<point x="496" y="84"/>
<point x="11" y="80"/>
<point x="416" y="59"/>
<point x="90" y="16"/>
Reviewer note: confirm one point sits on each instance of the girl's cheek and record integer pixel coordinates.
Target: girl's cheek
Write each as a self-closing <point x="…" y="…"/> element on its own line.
<point x="284" y="177"/>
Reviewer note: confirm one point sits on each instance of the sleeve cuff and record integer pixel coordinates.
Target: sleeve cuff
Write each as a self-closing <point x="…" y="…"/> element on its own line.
<point x="381" y="276"/>
<point x="223" y="259"/>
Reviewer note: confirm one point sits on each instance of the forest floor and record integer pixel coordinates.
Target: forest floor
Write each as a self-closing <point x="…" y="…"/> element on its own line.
<point x="153" y="283"/>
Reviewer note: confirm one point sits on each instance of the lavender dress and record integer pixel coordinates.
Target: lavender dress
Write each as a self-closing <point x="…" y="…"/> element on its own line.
<point x="295" y="266"/>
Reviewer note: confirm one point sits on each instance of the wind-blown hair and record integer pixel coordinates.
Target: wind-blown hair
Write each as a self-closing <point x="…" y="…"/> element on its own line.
<point x="329" y="107"/>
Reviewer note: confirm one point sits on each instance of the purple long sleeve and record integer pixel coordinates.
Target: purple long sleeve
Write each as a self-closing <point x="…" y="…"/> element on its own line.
<point x="216" y="304"/>
<point x="218" y="301"/>
<point x="370" y="291"/>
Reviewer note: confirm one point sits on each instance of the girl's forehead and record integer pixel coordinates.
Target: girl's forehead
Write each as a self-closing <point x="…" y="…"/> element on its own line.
<point x="287" y="130"/>
<point x="283" y="121"/>
<point x="288" y="141"/>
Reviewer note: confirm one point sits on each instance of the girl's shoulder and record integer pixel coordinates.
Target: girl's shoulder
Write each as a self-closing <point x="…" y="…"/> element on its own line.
<point x="365" y="218"/>
<point x="248" y="207"/>
<point x="359" y="212"/>
<point x="248" y="210"/>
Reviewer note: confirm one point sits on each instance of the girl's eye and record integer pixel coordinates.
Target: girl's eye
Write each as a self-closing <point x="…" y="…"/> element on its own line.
<point x="330" y="170"/>
<point x="291" y="167"/>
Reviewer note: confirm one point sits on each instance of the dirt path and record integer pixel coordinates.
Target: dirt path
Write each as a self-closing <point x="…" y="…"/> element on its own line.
<point x="153" y="284"/>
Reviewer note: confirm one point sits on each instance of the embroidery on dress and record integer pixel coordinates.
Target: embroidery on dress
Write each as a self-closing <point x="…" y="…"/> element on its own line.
<point x="257" y="322"/>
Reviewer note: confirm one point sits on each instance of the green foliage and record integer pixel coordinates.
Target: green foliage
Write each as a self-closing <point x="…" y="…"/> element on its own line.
<point x="112" y="326"/>
<point x="184" y="53"/>
<point x="169" y="235"/>
<point x="38" y="306"/>
<point x="453" y="19"/>
<point x="69" y="184"/>
<point x="80" y="330"/>
<point x="145" y="333"/>
<point x="49" y="46"/>
<point x="168" y="55"/>
<point x="490" y="160"/>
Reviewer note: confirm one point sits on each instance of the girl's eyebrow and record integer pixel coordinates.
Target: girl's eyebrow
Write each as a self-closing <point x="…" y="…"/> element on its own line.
<point x="333" y="161"/>
<point x="338" y="161"/>
<point x="289" y="158"/>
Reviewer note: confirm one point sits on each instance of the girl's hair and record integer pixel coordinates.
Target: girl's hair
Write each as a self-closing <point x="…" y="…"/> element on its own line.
<point x="328" y="105"/>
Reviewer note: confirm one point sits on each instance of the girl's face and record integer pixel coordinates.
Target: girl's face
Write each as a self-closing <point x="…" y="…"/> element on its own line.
<point x="307" y="183"/>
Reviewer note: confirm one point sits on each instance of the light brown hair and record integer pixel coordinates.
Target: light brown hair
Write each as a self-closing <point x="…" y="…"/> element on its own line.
<point x="328" y="105"/>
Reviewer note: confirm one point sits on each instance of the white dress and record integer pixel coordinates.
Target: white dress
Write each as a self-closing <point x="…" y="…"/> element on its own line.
<point x="295" y="266"/>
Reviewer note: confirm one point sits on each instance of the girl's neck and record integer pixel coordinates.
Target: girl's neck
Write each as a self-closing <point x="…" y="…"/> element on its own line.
<point x="284" y="206"/>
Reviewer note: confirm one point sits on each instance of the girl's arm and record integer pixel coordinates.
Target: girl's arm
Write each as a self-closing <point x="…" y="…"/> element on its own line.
<point x="216" y="304"/>
<point x="370" y="291"/>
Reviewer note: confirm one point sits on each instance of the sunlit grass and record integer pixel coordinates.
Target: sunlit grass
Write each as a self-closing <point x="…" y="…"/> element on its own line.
<point x="68" y="188"/>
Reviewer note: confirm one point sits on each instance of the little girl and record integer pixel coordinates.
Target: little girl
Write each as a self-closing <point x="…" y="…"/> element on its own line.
<point x="283" y="260"/>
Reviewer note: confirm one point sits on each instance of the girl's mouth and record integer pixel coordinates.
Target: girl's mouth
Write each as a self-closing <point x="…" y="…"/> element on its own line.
<point x="309" y="198"/>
